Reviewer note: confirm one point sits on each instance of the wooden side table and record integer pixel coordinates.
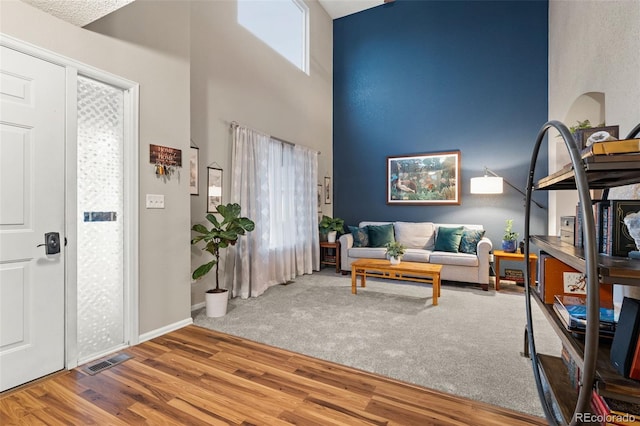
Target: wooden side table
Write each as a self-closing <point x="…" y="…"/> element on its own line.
<point x="328" y="259"/>
<point x="503" y="255"/>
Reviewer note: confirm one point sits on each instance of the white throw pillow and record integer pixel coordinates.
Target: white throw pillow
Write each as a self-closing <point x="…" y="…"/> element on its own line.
<point x="419" y="235"/>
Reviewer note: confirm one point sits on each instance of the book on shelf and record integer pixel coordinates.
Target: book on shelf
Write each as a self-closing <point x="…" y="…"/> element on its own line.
<point x="635" y="363"/>
<point x="612" y="236"/>
<point x="625" y="146"/>
<point x="572" y="310"/>
<point x="516" y="275"/>
<point x="614" y="411"/>
<point x="626" y="337"/>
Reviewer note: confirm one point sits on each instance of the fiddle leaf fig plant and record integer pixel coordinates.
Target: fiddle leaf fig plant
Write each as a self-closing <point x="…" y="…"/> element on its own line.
<point x="223" y="233"/>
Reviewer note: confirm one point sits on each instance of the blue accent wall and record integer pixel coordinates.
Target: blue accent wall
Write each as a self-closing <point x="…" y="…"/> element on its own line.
<point x="415" y="77"/>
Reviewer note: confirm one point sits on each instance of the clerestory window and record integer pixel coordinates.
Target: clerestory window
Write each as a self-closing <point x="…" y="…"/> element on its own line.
<point x="281" y="24"/>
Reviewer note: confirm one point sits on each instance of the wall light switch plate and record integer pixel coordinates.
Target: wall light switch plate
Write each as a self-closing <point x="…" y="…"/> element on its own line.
<point x="155" y="201"/>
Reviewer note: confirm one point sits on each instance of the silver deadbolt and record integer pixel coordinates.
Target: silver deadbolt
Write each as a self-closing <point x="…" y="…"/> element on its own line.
<point x="51" y="242"/>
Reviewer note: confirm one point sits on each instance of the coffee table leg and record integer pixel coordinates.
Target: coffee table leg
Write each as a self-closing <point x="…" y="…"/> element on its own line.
<point x="436" y="289"/>
<point x="363" y="278"/>
<point x="353" y="280"/>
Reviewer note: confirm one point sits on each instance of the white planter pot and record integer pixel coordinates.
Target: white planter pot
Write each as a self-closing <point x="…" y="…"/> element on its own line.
<point x="394" y="260"/>
<point x="216" y="303"/>
<point x="331" y="236"/>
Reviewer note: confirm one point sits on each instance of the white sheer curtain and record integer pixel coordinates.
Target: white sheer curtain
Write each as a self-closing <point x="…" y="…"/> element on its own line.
<point x="275" y="184"/>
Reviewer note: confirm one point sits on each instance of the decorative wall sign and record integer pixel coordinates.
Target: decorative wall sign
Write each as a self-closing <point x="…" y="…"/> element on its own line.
<point x="424" y="179"/>
<point x="214" y="189"/>
<point x="193" y="170"/>
<point x="165" y="156"/>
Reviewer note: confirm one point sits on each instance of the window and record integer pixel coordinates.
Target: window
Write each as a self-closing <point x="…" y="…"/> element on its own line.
<point x="282" y="24"/>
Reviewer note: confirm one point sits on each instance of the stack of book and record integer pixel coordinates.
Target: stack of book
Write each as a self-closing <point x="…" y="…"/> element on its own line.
<point x="572" y="310"/>
<point x="515" y="275"/>
<point x="612" y="236"/>
<point x="614" y="411"/>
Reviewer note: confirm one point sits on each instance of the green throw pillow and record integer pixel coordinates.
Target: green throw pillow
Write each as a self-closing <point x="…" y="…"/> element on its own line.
<point x="448" y="239"/>
<point x="379" y="235"/>
<point x="360" y="236"/>
<point x="470" y="240"/>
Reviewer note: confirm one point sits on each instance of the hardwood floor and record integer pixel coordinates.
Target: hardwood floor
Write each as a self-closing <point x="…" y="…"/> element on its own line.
<point x="195" y="376"/>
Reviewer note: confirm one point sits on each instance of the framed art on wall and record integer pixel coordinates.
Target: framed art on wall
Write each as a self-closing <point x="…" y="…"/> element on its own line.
<point x="327" y="190"/>
<point x="423" y="179"/>
<point x="319" y="197"/>
<point x="193" y="171"/>
<point x="214" y="189"/>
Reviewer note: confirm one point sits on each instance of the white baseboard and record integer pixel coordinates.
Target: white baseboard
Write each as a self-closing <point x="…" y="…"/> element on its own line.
<point x="164" y="330"/>
<point x="197" y="306"/>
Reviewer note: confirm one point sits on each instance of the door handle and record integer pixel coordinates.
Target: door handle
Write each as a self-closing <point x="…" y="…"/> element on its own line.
<point x="51" y="242"/>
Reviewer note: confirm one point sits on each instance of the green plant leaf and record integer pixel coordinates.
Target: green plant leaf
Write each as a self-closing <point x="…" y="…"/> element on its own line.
<point x="213" y="219"/>
<point x="198" y="227"/>
<point x="203" y="270"/>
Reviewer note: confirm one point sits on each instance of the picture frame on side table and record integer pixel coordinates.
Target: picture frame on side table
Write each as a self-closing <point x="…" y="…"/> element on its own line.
<point x="193" y="170"/>
<point x="214" y="189"/>
<point x="424" y="179"/>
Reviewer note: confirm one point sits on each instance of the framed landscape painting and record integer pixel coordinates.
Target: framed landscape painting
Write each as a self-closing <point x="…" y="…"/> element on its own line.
<point x="423" y="179"/>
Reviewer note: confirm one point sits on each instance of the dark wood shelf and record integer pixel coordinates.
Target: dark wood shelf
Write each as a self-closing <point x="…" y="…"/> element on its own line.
<point x="563" y="397"/>
<point x="612" y="270"/>
<point x="603" y="171"/>
<point x="609" y="382"/>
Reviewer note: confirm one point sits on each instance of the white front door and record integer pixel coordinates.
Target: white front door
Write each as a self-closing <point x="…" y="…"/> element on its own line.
<point x="32" y="173"/>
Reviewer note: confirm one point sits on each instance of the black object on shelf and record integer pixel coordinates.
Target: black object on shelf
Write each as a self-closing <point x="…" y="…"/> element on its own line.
<point x="625" y="340"/>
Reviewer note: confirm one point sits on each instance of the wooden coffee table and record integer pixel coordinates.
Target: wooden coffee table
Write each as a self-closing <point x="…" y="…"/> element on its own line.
<point x="406" y="271"/>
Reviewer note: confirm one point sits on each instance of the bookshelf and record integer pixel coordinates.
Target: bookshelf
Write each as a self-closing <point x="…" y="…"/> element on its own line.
<point x="560" y="399"/>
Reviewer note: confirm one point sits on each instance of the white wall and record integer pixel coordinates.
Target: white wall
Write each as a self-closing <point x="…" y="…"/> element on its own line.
<point x="159" y="63"/>
<point x="236" y="77"/>
<point x="593" y="47"/>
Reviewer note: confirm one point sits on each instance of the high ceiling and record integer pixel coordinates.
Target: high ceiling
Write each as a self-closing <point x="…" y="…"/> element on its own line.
<point x="83" y="12"/>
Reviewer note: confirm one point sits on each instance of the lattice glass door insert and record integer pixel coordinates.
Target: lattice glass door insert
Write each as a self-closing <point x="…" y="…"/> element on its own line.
<point x="100" y="222"/>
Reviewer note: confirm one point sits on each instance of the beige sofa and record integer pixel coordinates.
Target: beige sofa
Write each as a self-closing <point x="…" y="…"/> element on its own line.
<point x="420" y="239"/>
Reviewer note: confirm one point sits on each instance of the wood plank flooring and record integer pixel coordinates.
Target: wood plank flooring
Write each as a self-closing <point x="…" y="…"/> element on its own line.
<point x="195" y="376"/>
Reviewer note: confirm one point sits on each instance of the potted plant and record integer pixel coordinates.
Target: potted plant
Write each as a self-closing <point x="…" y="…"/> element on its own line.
<point x="395" y="250"/>
<point x="222" y="234"/>
<point x="510" y="238"/>
<point x="331" y="227"/>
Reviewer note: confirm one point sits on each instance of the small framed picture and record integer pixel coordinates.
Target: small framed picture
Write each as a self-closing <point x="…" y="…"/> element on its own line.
<point x="193" y="171"/>
<point x="327" y="190"/>
<point x="319" y="197"/>
<point x="214" y="189"/>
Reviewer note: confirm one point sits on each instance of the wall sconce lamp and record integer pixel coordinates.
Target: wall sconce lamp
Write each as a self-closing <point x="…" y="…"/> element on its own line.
<point x="493" y="185"/>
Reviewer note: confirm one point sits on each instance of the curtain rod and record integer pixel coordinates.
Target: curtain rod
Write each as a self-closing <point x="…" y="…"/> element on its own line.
<point x="235" y="124"/>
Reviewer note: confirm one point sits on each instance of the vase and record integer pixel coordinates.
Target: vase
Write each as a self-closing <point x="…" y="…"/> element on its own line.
<point x="216" y="303"/>
<point x="331" y="236"/>
<point x="394" y="260"/>
<point x="509" y="246"/>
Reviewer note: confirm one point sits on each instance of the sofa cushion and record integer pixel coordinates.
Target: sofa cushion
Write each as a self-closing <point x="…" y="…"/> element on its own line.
<point x="469" y="241"/>
<point x="360" y="236"/>
<point x="416" y="255"/>
<point x="448" y="239"/>
<point x="457" y="259"/>
<point x="368" y="252"/>
<point x="379" y="235"/>
<point x="418" y="235"/>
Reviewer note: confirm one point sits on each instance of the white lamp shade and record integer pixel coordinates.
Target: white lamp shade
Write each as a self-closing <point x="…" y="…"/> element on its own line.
<point x="486" y="185"/>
